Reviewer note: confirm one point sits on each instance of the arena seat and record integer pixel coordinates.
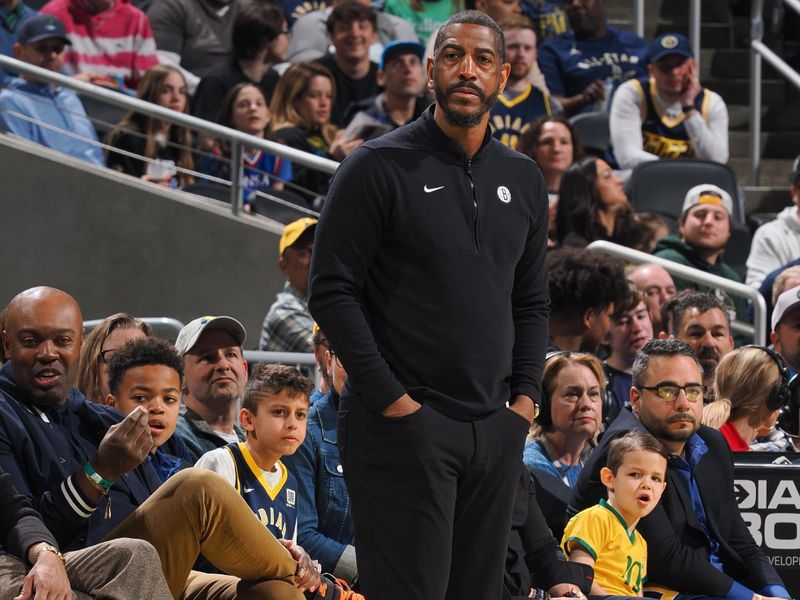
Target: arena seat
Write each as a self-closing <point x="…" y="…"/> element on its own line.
<point x="592" y="130"/>
<point x="660" y="186"/>
<point x="214" y="191"/>
<point x="280" y="212"/>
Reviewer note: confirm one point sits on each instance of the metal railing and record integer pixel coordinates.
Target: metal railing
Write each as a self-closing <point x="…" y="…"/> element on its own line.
<point x="169" y="328"/>
<point x="639" y="11"/>
<point x="759" y="50"/>
<point x="758" y="330"/>
<point x="238" y="140"/>
<point x="694" y="30"/>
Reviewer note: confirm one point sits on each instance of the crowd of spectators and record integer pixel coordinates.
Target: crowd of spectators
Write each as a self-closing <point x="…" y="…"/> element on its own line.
<point x="274" y="443"/>
<point x="335" y="75"/>
<point x="629" y="348"/>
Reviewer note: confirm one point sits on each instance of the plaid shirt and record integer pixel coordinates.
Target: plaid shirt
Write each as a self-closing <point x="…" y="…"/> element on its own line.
<point x="287" y="326"/>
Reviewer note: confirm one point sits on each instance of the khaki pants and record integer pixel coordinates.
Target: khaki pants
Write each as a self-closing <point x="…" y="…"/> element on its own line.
<point x="197" y="511"/>
<point x="124" y="569"/>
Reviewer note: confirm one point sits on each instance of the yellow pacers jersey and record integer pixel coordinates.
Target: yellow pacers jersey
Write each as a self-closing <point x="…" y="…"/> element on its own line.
<point x="620" y="559"/>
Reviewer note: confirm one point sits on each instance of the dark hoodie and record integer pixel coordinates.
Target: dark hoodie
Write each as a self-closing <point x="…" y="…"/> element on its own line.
<point x="674" y="249"/>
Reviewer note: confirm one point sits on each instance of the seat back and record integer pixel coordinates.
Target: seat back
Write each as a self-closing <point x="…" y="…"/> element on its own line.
<point x="660" y="186"/>
<point x="592" y="130"/>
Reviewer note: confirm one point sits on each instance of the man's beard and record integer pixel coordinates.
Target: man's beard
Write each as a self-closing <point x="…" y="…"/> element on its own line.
<point x="659" y="429"/>
<point x="460" y="119"/>
<point x="709" y="358"/>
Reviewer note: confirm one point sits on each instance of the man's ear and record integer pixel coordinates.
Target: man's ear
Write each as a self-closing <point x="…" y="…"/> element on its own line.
<point x="586" y="318"/>
<point x="380" y="78"/>
<point x="110" y="401"/>
<point x="17" y="50"/>
<point x="282" y="265"/>
<point x="681" y="223"/>
<point x="635" y="396"/>
<point x="662" y="335"/>
<point x="773" y="337"/>
<point x="6" y="344"/>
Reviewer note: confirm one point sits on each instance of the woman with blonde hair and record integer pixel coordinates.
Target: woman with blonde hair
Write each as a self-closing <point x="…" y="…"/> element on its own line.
<point x="153" y="138"/>
<point x="565" y="430"/>
<point x="301" y="111"/>
<point x="104" y="340"/>
<point x="750" y="389"/>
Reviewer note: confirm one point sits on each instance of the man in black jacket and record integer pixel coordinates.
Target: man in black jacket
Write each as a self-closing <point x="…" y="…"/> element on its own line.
<point x="697" y="542"/>
<point x="429" y="278"/>
<point x="113" y="569"/>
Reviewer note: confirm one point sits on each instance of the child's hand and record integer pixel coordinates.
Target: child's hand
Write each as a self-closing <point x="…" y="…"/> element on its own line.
<point x="565" y="590"/>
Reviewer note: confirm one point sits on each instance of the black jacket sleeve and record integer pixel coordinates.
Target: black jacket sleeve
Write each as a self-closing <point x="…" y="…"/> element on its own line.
<point x="20" y="525"/>
<point x="346" y="240"/>
<point x="530" y="303"/>
<point x="532" y="544"/>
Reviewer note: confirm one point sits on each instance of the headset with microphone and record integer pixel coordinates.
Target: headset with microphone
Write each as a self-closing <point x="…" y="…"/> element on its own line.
<point x="785" y="395"/>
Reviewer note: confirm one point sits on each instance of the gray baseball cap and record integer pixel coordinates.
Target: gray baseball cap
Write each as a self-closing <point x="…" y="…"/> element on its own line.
<point x="190" y="333"/>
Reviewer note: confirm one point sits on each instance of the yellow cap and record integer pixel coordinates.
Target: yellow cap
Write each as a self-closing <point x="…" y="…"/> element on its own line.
<point x="293" y="231"/>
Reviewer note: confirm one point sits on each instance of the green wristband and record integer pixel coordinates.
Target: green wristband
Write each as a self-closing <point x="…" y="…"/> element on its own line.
<point x="96" y="478"/>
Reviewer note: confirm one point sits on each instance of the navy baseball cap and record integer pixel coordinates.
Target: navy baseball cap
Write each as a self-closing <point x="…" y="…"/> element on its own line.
<point x="41" y="27"/>
<point x="399" y="47"/>
<point x="669" y="43"/>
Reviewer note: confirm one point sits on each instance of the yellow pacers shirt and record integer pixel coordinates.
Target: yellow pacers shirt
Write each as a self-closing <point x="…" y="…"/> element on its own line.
<point x="620" y="559"/>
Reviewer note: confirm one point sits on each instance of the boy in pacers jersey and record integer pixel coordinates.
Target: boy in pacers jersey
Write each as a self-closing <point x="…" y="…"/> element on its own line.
<point x="274" y="409"/>
<point x="604" y="536"/>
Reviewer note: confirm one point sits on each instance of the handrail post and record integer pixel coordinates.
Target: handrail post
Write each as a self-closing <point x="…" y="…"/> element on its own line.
<point x="237" y="177"/>
<point x="756" y="35"/>
<point x="640" y="18"/>
<point x="694" y="30"/>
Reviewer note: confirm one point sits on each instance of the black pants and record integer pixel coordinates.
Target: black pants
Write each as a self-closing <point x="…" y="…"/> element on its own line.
<point x="432" y="500"/>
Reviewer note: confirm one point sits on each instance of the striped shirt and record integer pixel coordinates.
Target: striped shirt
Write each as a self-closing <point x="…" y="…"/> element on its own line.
<point x="117" y="42"/>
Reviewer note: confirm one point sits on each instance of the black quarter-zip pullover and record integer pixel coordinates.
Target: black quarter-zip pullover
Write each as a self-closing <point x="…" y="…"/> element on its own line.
<point x="428" y="273"/>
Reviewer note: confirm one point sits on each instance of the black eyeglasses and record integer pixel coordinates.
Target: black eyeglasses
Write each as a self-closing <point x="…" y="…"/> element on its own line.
<point x="668" y="392"/>
<point x="336" y="358"/>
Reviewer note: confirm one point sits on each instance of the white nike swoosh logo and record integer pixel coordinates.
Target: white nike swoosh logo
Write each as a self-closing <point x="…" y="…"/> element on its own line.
<point x="429" y="190"/>
<point x="247" y="490"/>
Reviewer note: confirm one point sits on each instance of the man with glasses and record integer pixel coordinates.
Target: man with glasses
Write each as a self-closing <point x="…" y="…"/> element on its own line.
<point x="668" y="114"/>
<point x="698" y="543"/>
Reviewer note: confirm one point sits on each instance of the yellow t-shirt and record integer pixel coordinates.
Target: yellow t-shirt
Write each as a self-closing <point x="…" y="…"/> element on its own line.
<point x="620" y="560"/>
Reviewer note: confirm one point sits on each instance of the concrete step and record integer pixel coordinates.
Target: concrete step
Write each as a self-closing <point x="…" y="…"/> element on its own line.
<point x="774" y="144"/>
<point x="726" y="63"/>
<point x="774" y="172"/>
<point x="773" y="118"/>
<point x="678" y="10"/>
<point x="712" y="35"/>
<point x="765" y="199"/>
<point x="737" y="91"/>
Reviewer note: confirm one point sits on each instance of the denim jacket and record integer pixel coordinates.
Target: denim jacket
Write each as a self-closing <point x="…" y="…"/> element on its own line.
<point x="324" y="521"/>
